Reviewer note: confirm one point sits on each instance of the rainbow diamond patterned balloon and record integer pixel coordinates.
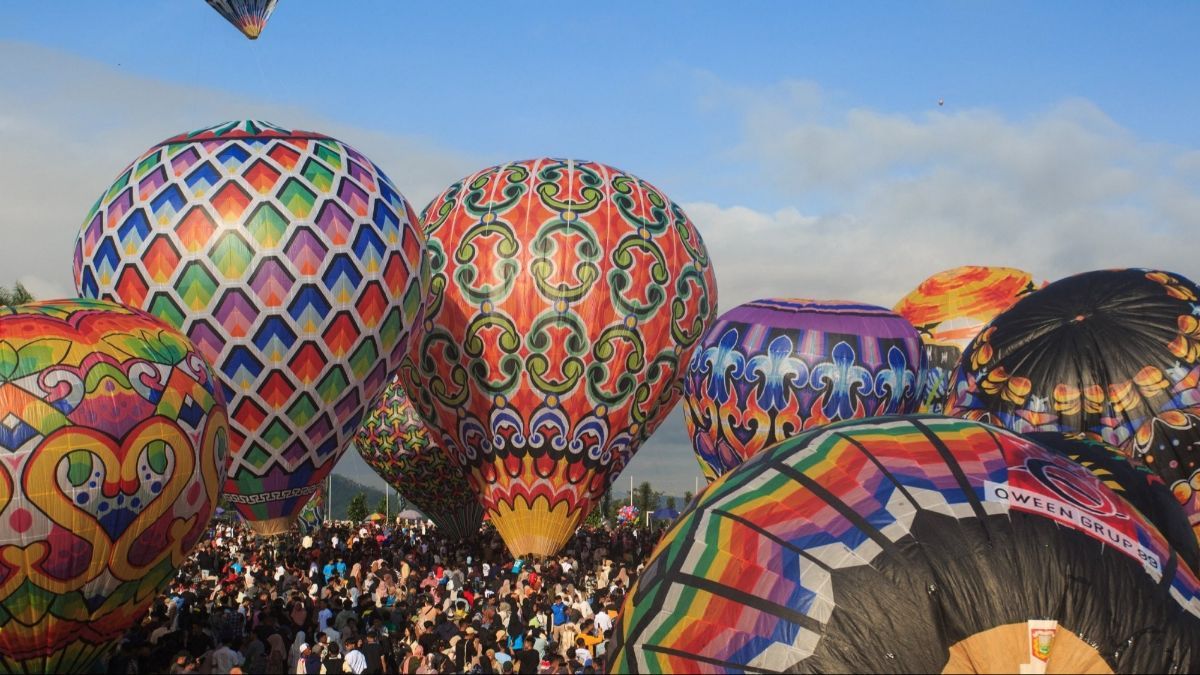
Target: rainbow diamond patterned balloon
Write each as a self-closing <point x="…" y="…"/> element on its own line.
<point x="294" y="265"/>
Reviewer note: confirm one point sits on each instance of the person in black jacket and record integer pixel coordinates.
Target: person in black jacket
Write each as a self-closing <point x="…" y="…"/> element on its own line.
<point x="373" y="652"/>
<point x="333" y="660"/>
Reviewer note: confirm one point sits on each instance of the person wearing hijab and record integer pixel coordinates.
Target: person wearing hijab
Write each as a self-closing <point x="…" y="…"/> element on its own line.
<point x="293" y="656"/>
<point x="277" y="657"/>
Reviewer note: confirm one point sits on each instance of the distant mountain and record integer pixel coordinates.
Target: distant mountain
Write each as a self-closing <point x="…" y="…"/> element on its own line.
<point x="344" y="489"/>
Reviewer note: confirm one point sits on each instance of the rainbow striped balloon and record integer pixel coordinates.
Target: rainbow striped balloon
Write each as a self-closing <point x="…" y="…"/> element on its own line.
<point x="910" y="544"/>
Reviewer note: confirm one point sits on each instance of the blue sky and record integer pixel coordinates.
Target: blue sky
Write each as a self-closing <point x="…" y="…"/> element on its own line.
<point x="805" y="140"/>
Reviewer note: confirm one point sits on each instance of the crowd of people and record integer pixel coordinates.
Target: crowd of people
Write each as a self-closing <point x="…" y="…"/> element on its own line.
<point x="355" y="598"/>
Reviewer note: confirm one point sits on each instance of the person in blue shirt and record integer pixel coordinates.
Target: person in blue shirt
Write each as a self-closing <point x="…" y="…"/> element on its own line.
<point x="559" y="610"/>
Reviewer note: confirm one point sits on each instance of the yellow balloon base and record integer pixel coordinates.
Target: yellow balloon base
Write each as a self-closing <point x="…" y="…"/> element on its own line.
<point x="271" y="528"/>
<point x="535" y="529"/>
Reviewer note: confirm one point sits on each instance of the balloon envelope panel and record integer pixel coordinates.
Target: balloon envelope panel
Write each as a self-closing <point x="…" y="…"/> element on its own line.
<point x="394" y="441"/>
<point x="113" y="438"/>
<point x="1113" y="354"/>
<point x="769" y="369"/>
<point x="910" y="544"/>
<point x="950" y="308"/>
<point x="567" y="297"/>
<point x="293" y="264"/>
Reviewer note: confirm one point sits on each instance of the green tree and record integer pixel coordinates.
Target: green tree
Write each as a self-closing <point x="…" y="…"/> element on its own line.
<point x="687" y="497"/>
<point x="645" y="498"/>
<point x="17" y="296"/>
<point x="596" y="517"/>
<point x="382" y="506"/>
<point x="356" y="511"/>
<point x="671" y="503"/>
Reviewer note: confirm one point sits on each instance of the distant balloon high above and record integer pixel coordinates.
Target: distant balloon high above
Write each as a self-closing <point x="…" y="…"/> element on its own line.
<point x="949" y="309"/>
<point x="567" y="298"/>
<point x="394" y="441"/>
<point x="113" y="441"/>
<point x="294" y="265"/>
<point x="769" y="369"/>
<point x="1113" y="354"/>
<point x="250" y="16"/>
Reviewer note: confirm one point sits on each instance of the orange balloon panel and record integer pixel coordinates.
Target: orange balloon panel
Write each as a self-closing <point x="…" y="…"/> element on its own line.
<point x="949" y="309"/>
<point x="566" y="298"/>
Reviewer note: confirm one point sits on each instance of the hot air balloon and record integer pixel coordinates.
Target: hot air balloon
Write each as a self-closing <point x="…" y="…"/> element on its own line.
<point x="1112" y="354"/>
<point x="249" y="16"/>
<point x="910" y="544"/>
<point x="769" y="369"/>
<point x="293" y="264"/>
<point x="395" y="442"/>
<point x="113" y="438"/>
<point x="1135" y="482"/>
<point x="949" y="309"/>
<point x="567" y="297"/>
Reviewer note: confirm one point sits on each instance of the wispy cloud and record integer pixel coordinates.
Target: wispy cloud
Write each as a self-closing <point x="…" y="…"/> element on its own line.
<point x="881" y="200"/>
<point x="70" y="125"/>
<point x="865" y="203"/>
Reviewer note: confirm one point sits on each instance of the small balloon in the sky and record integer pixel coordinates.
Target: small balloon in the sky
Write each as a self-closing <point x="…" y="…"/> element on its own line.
<point x="250" y="16"/>
<point x="941" y="102"/>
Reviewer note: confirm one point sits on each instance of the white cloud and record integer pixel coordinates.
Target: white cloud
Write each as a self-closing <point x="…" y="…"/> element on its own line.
<point x="895" y="198"/>
<point x="69" y="126"/>
<point x="872" y="202"/>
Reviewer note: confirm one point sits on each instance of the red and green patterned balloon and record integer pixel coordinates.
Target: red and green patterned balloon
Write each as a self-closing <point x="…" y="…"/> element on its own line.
<point x="394" y="441"/>
<point x="566" y="300"/>
<point x="113" y="441"/>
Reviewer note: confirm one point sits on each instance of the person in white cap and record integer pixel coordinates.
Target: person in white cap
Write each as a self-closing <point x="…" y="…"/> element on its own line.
<point x="300" y="667"/>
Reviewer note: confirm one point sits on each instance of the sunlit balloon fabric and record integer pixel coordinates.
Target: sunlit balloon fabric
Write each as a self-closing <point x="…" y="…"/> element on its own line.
<point x="113" y="441"/>
<point x="567" y="299"/>
<point x="950" y="308"/>
<point x="292" y="262"/>
<point x="769" y="369"/>
<point x="394" y="441"/>
<point x="250" y="16"/>
<point x="910" y="544"/>
<point x="1114" y="354"/>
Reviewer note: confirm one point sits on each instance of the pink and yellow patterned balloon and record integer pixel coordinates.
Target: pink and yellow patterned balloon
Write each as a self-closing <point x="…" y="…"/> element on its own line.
<point x="113" y="442"/>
